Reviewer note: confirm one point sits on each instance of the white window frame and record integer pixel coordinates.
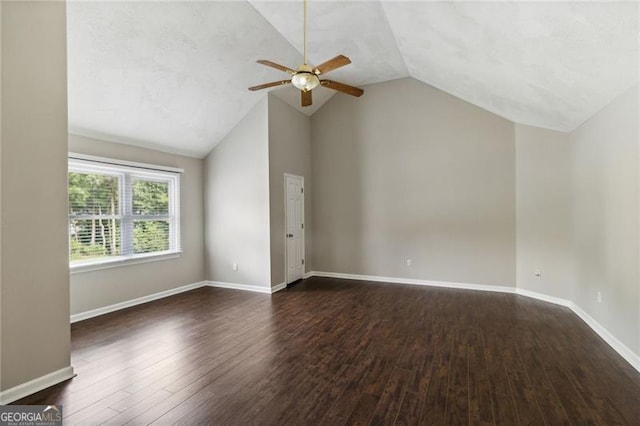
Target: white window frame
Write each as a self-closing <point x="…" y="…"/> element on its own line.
<point x="126" y="172"/>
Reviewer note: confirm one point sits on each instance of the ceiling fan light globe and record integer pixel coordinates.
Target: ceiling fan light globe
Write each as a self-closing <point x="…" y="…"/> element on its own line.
<point x="305" y="81"/>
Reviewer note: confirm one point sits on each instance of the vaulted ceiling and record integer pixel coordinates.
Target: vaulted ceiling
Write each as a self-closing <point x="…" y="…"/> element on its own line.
<point x="173" y="76"/>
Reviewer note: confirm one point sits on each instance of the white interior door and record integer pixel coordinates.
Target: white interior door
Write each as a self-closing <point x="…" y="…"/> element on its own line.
<point x="294" y="229"/>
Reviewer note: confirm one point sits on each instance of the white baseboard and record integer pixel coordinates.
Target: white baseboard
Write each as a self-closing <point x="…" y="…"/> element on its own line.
<point x="278" y="287"/>
<point x="624" y="351"/>
<point x="244" y="287"/>
<point x="133" y="302"/>
<point x="32" y="386"/>
<point x="247" y="287"/>
<point x="144" y="299"/>
<point x="413" y="281"/>
<point x="545" y="298"/>
<point x="308" y="274"/>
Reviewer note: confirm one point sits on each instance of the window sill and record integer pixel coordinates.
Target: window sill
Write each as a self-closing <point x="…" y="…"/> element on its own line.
<point x="118" y="262"/>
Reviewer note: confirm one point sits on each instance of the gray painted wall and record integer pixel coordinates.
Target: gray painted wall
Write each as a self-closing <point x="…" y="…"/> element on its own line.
<point x="94" y="289"/>
<point x="543" y="211"/>
<point x="408" y="171"/>
<point x="289" y="152"/>
<point x="1" y="388"/>
<point x="236" y="174"/>
<point x="35" y="260"/>
<point x="604" y="154"/>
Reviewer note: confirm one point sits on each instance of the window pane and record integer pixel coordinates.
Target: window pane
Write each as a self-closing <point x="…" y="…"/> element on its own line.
<point x="93" y="194"/>
<point x="150" y="236"/>
<point x="117" y="212"/>
<point x="150" y="197"/>
<point x="94" y="238"/>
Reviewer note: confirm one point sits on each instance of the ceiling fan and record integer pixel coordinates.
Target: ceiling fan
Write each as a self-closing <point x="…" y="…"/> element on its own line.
<point x="306" y="78"/>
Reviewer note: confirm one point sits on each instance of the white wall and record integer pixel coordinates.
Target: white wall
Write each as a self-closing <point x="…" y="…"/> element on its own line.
<point x="35" y="263"/>
<point x="289" y="152"/>
<point x="237" y="221"/>
<point x="408" y="171"/>
<point x="95" y="289"/>
<point x="604" y="152"/>
<point x="543" y="211"/>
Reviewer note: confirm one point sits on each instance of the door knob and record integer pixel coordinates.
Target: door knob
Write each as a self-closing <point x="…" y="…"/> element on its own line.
<point x="289" y="235"/>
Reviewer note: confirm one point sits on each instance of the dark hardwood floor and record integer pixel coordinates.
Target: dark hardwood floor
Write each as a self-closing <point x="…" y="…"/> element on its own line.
<point x="330" y="351"/>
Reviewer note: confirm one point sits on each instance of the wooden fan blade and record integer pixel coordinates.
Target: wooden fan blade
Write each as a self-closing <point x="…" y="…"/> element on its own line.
<point x="341" y="87"/>
<point x="272" y="84"/>
<point x="332" y="64"/>
<point x="276" y="66"/>
<point x="306" y="98"/>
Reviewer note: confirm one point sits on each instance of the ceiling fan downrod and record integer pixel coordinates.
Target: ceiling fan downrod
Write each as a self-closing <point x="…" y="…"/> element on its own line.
<point x="304" y="32"/>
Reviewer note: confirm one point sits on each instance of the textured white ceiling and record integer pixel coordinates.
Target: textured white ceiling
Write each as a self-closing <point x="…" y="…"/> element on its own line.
<point x="168" y="75"/>
<point x="550" y="64"/>
<point x="174" y="75"/>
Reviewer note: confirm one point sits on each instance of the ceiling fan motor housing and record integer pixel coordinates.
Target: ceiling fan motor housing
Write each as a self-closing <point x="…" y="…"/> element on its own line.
<point x="305" y="79"/>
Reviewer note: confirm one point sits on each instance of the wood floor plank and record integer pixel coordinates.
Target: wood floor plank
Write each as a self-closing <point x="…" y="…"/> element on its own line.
<point x="331" y="351"/>
<point x="458" y="392"/>
<point x="409" y="410"/>
<point x="103" y="407"/>
<point x="386" y="411"/>
<point x="496" y="355"/>
<point x="480" y="396"/>
<point x="435" y="401"/>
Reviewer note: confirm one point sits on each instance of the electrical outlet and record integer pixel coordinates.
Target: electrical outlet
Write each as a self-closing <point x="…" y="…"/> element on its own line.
<point x="409" y="262"/>
<point x="599" y="297"/>
<point x="538" y="273"/>
<point x="235" y="267"/>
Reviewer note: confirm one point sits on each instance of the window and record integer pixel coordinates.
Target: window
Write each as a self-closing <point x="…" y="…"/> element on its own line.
<point x="119" y="212"/>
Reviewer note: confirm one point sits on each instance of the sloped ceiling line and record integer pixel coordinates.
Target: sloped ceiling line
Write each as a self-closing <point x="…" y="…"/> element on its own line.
<point x="173" y="75"/>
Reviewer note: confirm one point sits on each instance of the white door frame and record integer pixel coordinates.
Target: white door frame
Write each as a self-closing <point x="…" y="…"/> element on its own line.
<point x="286" y="252"/>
